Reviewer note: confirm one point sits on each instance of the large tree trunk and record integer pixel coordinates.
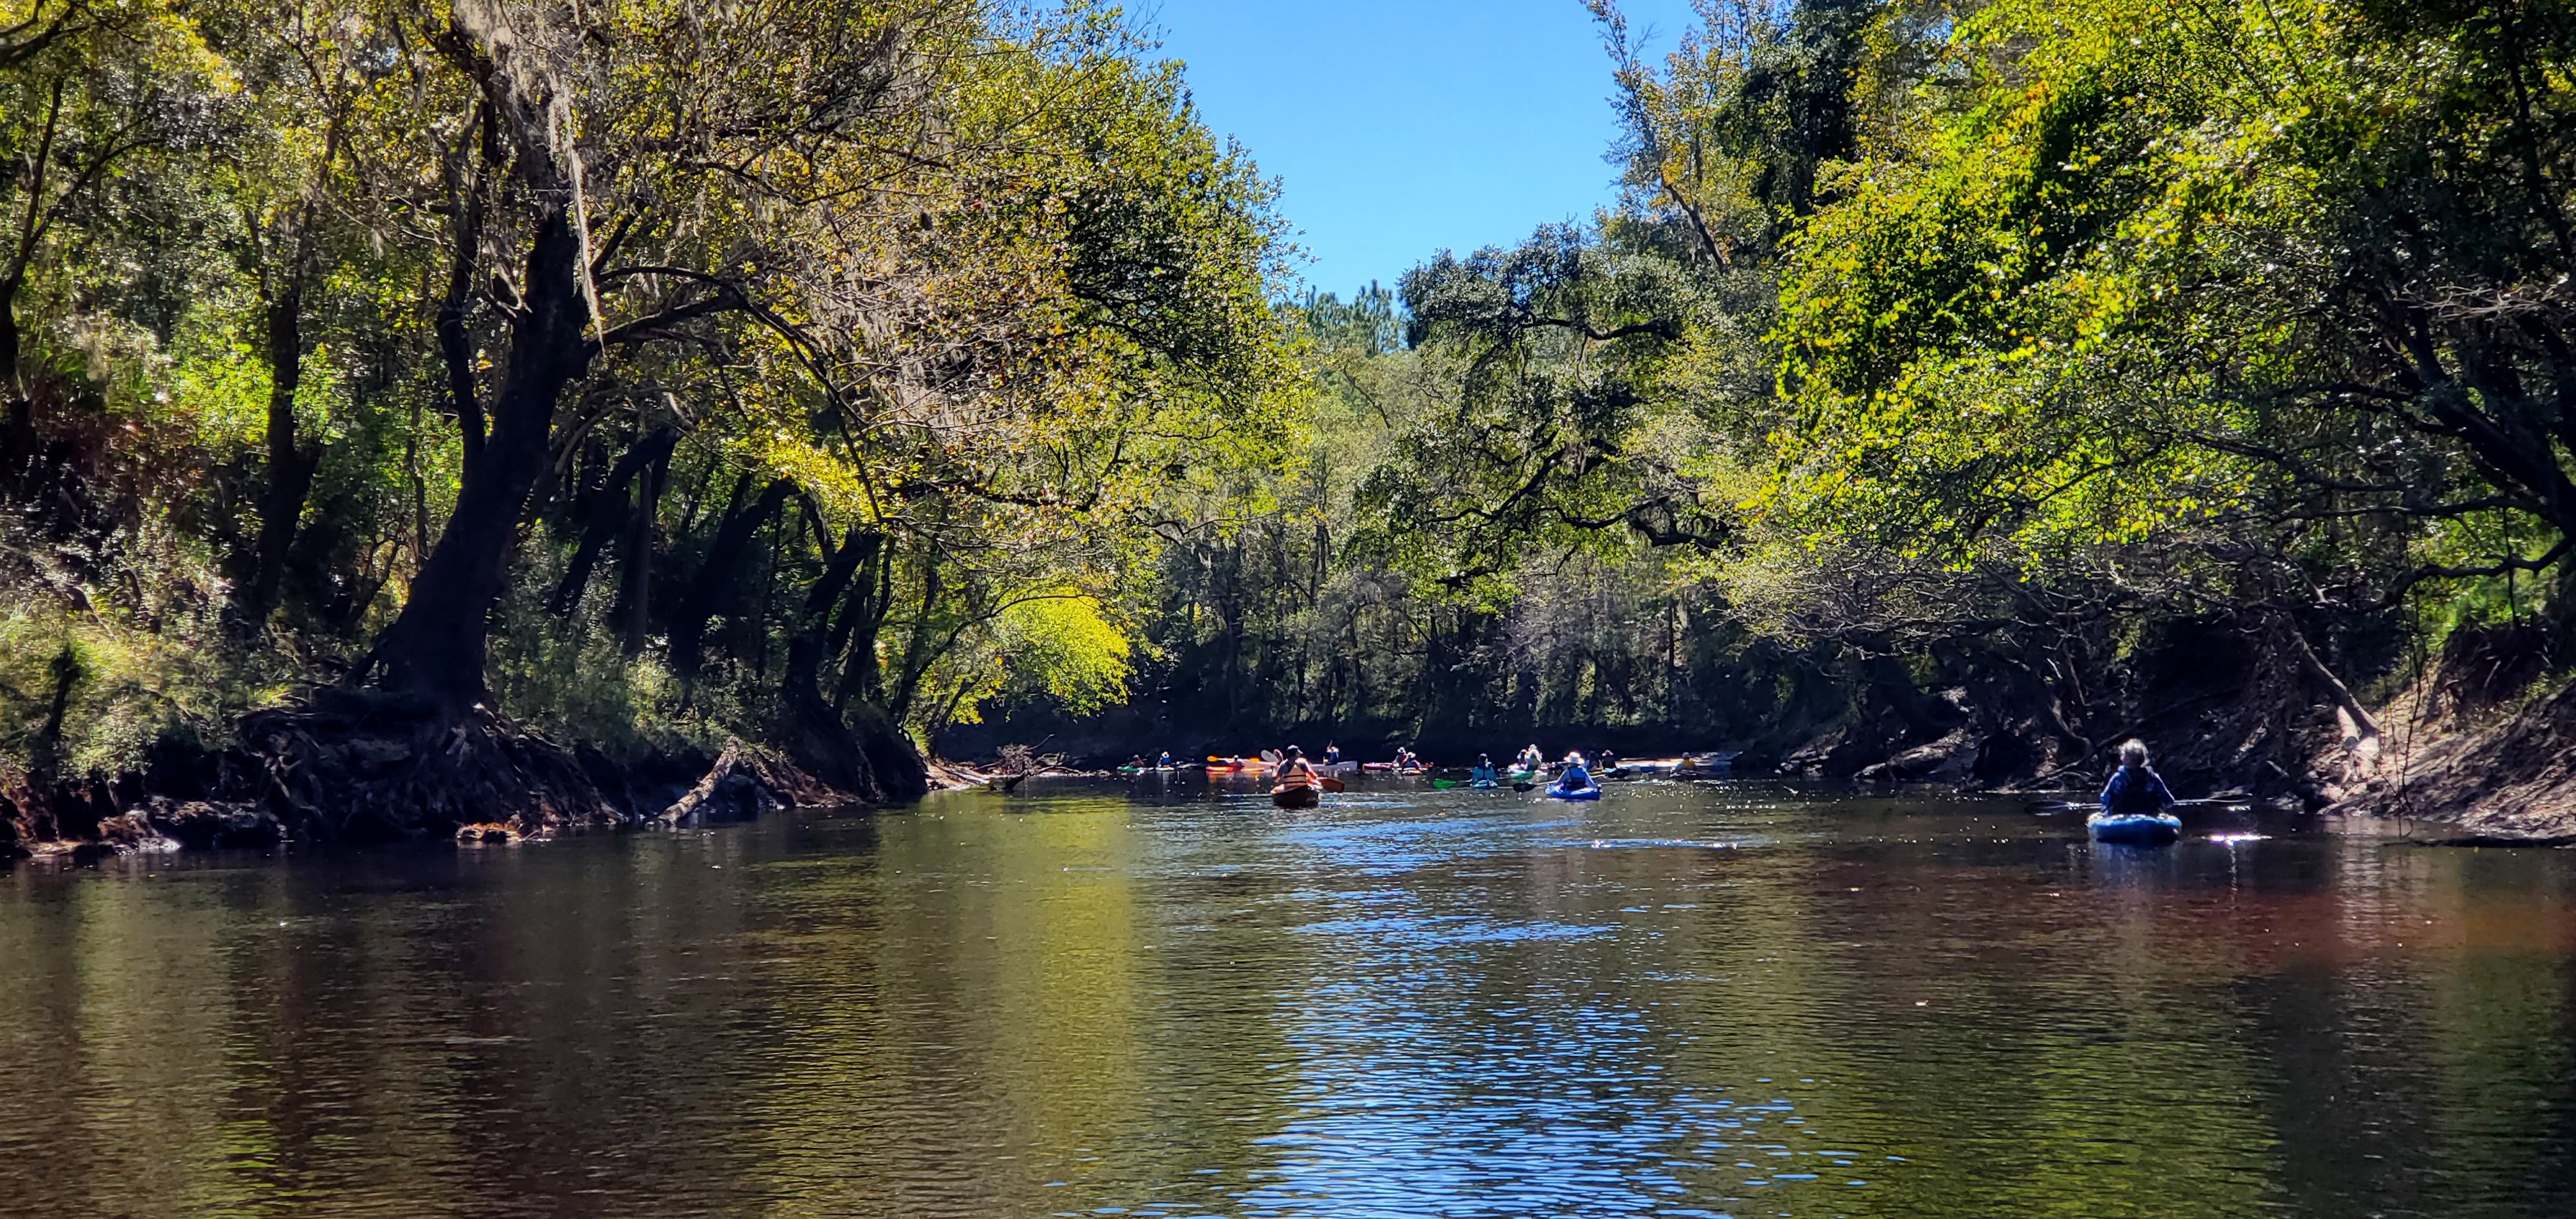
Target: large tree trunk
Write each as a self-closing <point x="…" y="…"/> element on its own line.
<point x="436" y="648"/>
<point x="290" y="467"/>
<point x="635" y="572"/>
<point x="18" y="425"/>
<point x="11" y="385"/>
<point x="608" y="512"/>
<point x="871" y="759"/>
<point x="712" y="591"/>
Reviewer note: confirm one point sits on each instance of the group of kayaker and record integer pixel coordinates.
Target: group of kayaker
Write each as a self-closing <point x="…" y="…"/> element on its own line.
<point x="2136" y="806"/>
<point x="1574" y="776"/>
<point x="1292" y="769"/>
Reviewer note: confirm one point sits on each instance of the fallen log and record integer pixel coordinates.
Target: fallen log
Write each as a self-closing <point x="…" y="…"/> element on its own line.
<point x="725" y="776"/>
<point x="745" y="783"/>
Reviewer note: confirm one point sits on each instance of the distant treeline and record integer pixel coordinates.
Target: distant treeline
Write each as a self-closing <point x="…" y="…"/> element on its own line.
<point x="1953" y="393"/>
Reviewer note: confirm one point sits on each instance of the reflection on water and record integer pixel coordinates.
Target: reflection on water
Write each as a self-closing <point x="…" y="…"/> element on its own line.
<point x="1167" y="1001"/>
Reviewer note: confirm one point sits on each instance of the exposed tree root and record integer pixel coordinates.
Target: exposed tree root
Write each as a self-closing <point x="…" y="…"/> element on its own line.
<point x="358" y="766"/>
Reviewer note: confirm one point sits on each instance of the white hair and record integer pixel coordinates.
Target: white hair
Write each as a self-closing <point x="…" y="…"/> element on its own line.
<point x="2133" y="753"/>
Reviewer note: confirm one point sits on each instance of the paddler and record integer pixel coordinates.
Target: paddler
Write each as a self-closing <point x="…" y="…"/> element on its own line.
<point x="1295" y="770"/>
<point x="1332" y="755"/>
<point x="1484" y="772"/>
<point x="1164" y="762"/>
<point x="1576" y="777"/>
<point x="2135" y="790"/>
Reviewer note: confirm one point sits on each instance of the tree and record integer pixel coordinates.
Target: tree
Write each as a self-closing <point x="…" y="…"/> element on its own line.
<point x="85" y="88"/>
<point x="451" y="308"/>
<point x="2174" y="265"/>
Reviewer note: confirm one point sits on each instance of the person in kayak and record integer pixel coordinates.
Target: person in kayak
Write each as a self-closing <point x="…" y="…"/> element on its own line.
<point x="1531" y="759"/>
<point x="1483" y="774"/>
<point x="2135" y="790"/>
<point x="1294" y="769"/>
<point x="1576" y="776"/>
<point x="1332" y="755"/>
<point x="1164" y="762"/>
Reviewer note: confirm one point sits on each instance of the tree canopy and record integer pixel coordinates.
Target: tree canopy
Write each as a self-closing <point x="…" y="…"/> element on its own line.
<point x="759" y="365"/>
<point x="1970" y="384"/>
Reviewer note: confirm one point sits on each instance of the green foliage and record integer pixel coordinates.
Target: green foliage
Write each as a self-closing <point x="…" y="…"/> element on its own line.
<point x="1059" y="646"/>
<point x="2147" y="271"/>
<point x="925" y="363"/>
<point x="1930" y="340"/>
<point x="1552" y="358"/>
<point x="974" y="284"/>
<point x="124" y="684"/>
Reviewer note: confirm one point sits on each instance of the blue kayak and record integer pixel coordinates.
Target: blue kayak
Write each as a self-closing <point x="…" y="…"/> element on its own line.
<point x="1575" y="793"/>
<point x="2134" y="829"/>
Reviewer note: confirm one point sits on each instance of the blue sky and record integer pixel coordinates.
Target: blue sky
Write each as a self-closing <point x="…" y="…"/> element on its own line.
<point x="1398" y="128"/>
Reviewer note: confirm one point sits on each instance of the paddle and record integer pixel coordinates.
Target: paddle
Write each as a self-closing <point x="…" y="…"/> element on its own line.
<point x="2046" y="809"/>
<point x="1523" y="785"/>
<point x="1331" y="784"/>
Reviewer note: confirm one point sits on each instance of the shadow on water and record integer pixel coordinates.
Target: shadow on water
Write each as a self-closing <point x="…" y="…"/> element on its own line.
<point x="1167" y="998"/>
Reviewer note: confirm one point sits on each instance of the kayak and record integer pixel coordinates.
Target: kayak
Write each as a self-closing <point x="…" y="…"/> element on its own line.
<point x="1296" y="795"/>
<point x="1574" y="793"/>
<point x="1481" y="784"/>
<point x="2134" y="829"/>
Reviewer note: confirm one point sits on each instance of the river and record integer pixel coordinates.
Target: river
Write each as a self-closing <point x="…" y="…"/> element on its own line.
<point x="1155" y="999"/>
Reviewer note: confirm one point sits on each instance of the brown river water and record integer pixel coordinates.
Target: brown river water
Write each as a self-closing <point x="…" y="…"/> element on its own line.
<point x="1158" y="999"/>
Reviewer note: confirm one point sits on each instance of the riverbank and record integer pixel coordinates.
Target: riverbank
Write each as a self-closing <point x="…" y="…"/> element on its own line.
<point x="2503" y="769"/>
<point x="186" y="799"/>
<point x="2456" y="748"/>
